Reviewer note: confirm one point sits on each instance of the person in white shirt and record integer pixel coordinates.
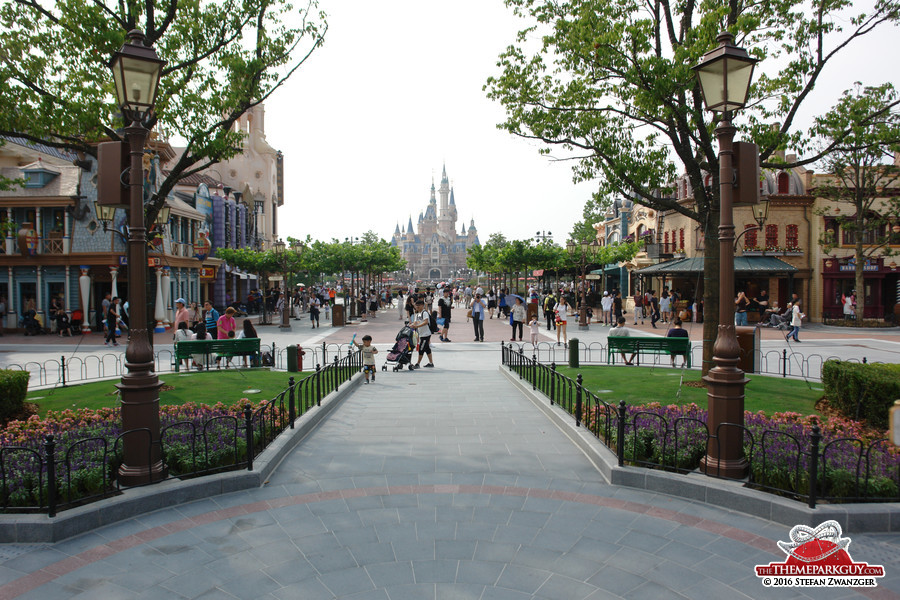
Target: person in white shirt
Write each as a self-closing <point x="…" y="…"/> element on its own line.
<point x="562" y="318"/>
<point x="479" y="307"/>
<point x="420" y="323"/>
<point x="796" y="320"/>
<point x="606" y="305"/>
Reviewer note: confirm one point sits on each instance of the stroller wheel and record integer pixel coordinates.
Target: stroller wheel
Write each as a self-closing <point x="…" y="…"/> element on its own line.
<point x="410" y="367"/>
<point x="384" y="367"/>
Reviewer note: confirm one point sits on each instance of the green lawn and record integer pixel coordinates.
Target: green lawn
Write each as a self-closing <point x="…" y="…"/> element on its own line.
<point x="642" y="385"/>
<point x="206" y="387"/>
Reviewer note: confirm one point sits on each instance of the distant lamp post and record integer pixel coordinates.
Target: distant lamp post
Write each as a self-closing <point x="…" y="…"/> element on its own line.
<point x="583" y="250"/>
<point x="136" y="71"/>
<point x="760" y="215"/>
<point x="724" y="74"/>
<point x="543" y="236"/>
<point x="279" y="247"/>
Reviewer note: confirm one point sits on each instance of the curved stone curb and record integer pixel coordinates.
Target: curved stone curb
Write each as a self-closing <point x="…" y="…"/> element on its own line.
<point x="732" y="495"/>
<point x="39" y="528"/>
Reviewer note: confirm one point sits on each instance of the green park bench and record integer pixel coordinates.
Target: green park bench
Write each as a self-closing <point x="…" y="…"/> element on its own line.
<point x="648" y="345"/>
<point x="225" y="348"/>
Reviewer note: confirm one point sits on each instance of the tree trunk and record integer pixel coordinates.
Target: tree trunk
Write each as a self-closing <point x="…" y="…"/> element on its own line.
<point x="860" y="276"/>
<point x="710" y="289"/>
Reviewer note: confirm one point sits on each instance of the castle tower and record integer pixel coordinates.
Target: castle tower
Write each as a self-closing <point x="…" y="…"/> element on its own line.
<point x="446" y="222"/>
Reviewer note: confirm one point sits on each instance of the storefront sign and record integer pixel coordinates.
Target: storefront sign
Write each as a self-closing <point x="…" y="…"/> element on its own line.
<point x="207" y="272"/>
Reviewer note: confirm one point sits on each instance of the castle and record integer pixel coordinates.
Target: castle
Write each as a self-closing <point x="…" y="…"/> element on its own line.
<point x="436" y="251"/>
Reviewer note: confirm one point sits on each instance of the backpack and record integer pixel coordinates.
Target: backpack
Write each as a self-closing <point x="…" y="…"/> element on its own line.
<point x="432" y="322"/>
<point x="267" y="359"/>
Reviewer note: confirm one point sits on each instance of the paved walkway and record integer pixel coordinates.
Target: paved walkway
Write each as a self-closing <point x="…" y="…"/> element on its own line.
<point x="444" y="483"/>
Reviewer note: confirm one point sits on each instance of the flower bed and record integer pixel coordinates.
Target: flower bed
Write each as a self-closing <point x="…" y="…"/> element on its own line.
<point x="852" y="464"/>
<point x="195" y="438"/>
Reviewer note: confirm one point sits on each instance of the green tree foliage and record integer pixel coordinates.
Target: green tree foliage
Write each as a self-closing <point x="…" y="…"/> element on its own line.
<point x="863" y="175"/>
<point x="223" y="58"/>
<point x="609" y="83"/>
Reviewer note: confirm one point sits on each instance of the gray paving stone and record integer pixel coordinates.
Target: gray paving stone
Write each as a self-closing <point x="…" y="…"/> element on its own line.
<point x="458" y="591"/>
<point x="454" y="549"/>
<point x="409" y="550"/>
<point x="496" y="551"/>
<point x="419" y="591"/>
<point x="291" y="571"/>
<point x="331" y="560"/>
<point x="435" y="571"/>
<point x="308" y="589"/>
<point x="250" y="585"/>
<point x="347" y="581"/>
<point x="523" y="579"/>
<point x="479" y="572"/>
<point x="560" y="586"/>
<point x="369" y="554"/>
<point x="616" y="581"/>
<point x="391" y="574"/>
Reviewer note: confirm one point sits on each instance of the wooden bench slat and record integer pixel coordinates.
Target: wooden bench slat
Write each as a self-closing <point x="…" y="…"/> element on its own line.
<point x="226" y="348"/>
<point x="648" y="345"/>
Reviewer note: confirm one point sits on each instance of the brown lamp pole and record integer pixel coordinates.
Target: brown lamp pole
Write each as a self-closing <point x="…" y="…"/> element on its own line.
<point x="136" y="71"/>
<point x="279" y="248"/>
<point x="724" y="74"/>
<point x="586" y="249"/>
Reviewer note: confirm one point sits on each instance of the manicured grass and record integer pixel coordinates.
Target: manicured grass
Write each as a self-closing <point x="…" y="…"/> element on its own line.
<point x="206" y="387"/>
<point x="642" y="385"/>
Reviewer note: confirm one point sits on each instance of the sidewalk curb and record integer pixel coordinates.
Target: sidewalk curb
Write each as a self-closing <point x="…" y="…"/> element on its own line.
<point x="39" y="528"/>
<point x="731" y="495"/>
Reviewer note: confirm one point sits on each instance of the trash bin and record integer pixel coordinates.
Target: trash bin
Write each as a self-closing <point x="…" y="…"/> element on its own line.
<point x="573" y="353"/>
<point x="292" y="359"/>
<point x="337" y="315"/>
<point x="748" y="340"/>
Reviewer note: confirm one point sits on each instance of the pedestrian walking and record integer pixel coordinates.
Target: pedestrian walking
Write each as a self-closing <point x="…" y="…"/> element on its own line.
<point x="796" y="320"/>
<point x="181" y="314"/>
<point x="606" y="306"/>
<point x="211" y="318"/>
<point x="550" y="311"/>
<point x="112" y="319"/>
<point x="479" y="306"/>
<point x="421" y="325"/>
<point x="517" y="319"/>
<point x="562" y="321"/>
<point x="368" y="353"/>
<point x="445" y="306"/>
<point x="314" y="312"/>
<point x="535" y="326"/>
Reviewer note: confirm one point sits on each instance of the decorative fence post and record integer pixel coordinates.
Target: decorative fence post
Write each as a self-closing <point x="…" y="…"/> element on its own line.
<point x="324" y="354"/>
<point x="62" y="369"/>
<point x="533" y="371"/>
<point x="318" y="377"/>
<point x="349" y="368"/>
<point x="784" y="363"/>
<point x="292" y="411"/>
<point x="815" y="437"/>
<point x="521" y="360"/>
<point x="578" y="400"/>
<point x="552" y="383"/>
<point x="248" y="426"/>
<point x="620" y="434"/>
<point x="334" y="375"/>
<point x="50" y="457"/>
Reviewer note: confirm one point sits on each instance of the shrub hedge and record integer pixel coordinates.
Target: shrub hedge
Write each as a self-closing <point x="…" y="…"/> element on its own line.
<point x="874" y="387"/>
<point x="13" y="389"/>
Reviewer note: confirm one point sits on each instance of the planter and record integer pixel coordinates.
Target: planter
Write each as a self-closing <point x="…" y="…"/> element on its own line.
<point x="28" y="240"/>
<point x="752" y="253"/>
<point x="793" y="253"/>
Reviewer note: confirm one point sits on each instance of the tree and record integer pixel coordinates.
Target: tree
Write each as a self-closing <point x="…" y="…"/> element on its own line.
<point x="861" y="170"/>
<point x="609" y="83"/>
<point x="223" y="59"/>
<point x="592" y="213"/>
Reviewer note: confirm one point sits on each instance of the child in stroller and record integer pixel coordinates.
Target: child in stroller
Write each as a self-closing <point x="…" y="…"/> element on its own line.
<point x="30" y="323"/>
<point x="401" y="353"/>
<point x="778" y="321"/>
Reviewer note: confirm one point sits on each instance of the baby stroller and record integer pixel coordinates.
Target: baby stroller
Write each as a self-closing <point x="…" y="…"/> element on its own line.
<point x="401" y="353"/>
<point x="31" y="324"/>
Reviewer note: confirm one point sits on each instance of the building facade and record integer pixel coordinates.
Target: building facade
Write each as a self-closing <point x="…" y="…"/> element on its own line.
<point x="434" y="250"/>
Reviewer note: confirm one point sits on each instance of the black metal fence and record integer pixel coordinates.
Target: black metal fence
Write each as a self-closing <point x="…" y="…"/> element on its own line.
<point x="786" y="462"/>
<point x="783" y="362"/>
<point x="39" y="478"/>
<point x="91" y="367"/>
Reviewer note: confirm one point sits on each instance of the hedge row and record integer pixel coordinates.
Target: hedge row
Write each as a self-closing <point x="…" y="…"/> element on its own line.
<point x="871" y="387"/>
<point x="13" y="389"/>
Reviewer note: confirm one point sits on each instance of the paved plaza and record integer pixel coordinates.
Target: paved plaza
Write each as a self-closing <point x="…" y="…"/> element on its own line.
<point x="443" y="483"/>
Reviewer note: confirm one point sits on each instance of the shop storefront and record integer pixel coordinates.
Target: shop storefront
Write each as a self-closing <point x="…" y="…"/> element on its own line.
<point x="880" y="286"/>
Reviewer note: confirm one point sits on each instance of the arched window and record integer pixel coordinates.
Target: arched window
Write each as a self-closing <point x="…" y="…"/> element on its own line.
<point x="684" y="193"/>
<point x="771" y="236"/>
<point x="666" y="243"/>
<point x="681" y="239"/>
<point x="750" y="241"/>
<point x="784" y="183"/>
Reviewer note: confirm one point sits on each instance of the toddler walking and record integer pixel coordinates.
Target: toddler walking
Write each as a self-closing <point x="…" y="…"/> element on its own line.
<point x="368" y="351"/>
<point x="535" y="327"/>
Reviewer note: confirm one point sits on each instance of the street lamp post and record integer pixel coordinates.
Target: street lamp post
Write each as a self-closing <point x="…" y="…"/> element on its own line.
<point x="724" y="74"/>
<point x="543" y="236"/>
<point x="136" y="71"/>
<point x="279" y="247"/>
<point x="587" y="249"/>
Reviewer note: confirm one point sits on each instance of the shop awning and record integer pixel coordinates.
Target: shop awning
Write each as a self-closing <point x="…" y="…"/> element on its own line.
<point x="742" y="264"/>
<point x="607" y="269"/>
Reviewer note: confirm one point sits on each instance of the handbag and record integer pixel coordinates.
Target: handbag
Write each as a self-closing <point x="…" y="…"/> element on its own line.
<point x="469" y="314"/>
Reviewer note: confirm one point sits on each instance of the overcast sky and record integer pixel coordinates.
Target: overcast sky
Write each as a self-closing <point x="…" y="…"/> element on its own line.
<point x="396" y="92"/>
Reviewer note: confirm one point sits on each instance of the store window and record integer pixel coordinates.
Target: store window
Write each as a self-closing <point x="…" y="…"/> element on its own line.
<point x="771" y="236"/>
<point x="791" y="236"/>
<point x="750" y="239"/>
